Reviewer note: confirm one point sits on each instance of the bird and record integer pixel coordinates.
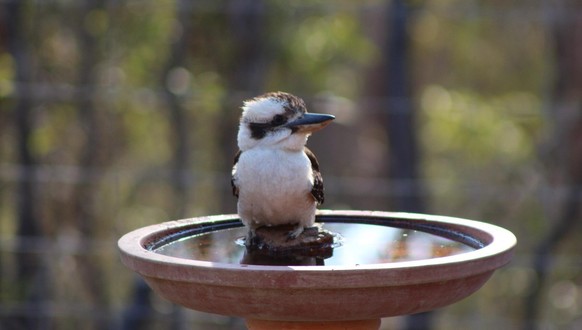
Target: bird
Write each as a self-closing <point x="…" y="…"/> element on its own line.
<point x="275" y="177"/>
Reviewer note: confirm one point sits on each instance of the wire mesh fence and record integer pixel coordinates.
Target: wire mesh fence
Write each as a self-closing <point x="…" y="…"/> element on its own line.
<point x="119" y="114"/>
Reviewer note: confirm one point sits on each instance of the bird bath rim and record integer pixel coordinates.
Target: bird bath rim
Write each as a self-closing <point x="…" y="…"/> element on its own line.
<point x="495" y="250"/>
<point x="329" y="294"/>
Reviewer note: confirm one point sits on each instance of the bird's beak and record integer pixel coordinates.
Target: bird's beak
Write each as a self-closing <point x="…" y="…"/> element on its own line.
<point x="310" y="122"/>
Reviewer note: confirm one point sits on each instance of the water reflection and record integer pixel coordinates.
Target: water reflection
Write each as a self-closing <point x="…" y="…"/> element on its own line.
<point x="360" y="244"/>
<point x="256" y="257"/>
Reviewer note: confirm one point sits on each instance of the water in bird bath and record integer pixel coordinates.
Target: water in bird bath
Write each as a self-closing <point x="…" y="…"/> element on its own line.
<point x="358" y="244"/>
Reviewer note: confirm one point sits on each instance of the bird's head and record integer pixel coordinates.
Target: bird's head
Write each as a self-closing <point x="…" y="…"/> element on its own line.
<point x="278" y="120"/>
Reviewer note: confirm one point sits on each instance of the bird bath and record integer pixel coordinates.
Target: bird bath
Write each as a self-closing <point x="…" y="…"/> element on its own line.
<point x="386" y="264"/>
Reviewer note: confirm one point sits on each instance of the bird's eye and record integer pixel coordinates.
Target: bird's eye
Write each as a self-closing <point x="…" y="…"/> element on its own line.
<point x="278" y="120"/>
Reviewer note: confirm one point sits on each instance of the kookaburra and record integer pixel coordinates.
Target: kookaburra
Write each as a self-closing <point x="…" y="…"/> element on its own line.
<point x="275" y="177"/>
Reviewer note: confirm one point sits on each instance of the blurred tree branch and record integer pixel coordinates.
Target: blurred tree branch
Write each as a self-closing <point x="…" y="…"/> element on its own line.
<point x="92" y="155"/>
<point x="32" y="280"/>
<point x="137" y="315"/>
<point x="390" y="82"/>
<point x="180" y="124"/>
<point x="563" y="153"/>
<point x="404" y="158"/>
<point x="179" y="121"/>
<point x="23" y="114"/>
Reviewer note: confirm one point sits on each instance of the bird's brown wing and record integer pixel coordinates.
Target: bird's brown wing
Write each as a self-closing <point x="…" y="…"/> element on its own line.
<point x="317" y="189"/>
<point x="233" y="177"/>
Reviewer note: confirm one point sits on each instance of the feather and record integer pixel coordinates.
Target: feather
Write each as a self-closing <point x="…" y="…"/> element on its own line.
<point x="233" y="180"/>
<point x="317" y="189"/>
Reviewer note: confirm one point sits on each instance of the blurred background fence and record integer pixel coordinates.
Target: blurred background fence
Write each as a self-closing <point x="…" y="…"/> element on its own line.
<point x="116" y="114"/>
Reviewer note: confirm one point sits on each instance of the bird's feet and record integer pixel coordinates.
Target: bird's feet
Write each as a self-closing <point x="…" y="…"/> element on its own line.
<point x="251" y="237"/>
<point x="299" y="230"/>
<point x="295" y="232"/>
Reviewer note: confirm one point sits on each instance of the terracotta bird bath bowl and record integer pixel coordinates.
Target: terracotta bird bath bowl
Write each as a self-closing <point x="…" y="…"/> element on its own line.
<point x="384" y="264"/>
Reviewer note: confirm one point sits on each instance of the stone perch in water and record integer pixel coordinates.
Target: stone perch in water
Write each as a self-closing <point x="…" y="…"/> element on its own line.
<point x="271" y="246"/>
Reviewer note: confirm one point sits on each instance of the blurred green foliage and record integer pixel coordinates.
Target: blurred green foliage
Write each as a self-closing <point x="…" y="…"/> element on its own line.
<point x="481" y="75"/>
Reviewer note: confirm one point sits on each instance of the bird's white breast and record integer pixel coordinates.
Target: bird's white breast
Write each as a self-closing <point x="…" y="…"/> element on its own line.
<point x="275" y="187"/>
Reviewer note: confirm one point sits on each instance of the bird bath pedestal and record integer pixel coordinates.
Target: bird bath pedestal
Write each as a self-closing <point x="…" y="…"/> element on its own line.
<point x="329" y="296"/>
